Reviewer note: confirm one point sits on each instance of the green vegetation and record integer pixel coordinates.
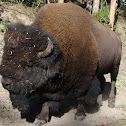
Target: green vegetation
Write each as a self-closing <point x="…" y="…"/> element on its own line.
<point x="120" y="30"/>
<point x="116" y="125"/>
<point x="30" y="3"/>
<point x="38" y="3"/>
<point x="122" y="9"/>
<point x="121" y="122"/>
<point x="103" y="14"/>
<point x="124" y="119"/>
<point x="122" y="106"/>
<point x="4" y="22"/>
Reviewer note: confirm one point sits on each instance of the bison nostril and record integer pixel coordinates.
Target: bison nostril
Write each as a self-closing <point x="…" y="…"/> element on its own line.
<point x="5" y="81"/>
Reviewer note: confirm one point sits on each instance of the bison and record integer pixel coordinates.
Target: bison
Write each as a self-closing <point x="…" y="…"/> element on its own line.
<point x="60" y="51"/>
<point x="48" y="63"/>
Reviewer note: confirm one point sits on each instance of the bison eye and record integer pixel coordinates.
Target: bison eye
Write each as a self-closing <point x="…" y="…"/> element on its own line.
<point x="29" y="63"/>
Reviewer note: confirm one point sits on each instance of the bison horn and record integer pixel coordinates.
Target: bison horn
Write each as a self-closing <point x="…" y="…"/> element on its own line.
<point x="47" y="51"/>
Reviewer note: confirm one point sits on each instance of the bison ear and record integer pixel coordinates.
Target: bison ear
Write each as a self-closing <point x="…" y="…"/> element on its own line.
<point x="47" y="51"/>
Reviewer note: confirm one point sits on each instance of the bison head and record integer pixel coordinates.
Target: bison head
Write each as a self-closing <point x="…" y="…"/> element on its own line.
<point x="29" y="62"/>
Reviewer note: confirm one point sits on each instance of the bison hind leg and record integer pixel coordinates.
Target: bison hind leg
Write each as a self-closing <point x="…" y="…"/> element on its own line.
<point x="111" y="100"/>
<point x="80" y="114"/>
<point x="99" y="100"/>
<point x="102" y="80"/>
<point x="114" y="73"/>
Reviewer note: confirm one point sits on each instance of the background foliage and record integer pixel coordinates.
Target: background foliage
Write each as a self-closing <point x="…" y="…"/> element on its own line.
<point x="102" y="15"/>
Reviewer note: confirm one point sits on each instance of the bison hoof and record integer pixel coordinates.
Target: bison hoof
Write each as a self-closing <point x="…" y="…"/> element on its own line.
<point x="99" y="100"/>
<point x="40" y="123"/>
<point x="79" y="118"/>
<point x="111" y="102"/>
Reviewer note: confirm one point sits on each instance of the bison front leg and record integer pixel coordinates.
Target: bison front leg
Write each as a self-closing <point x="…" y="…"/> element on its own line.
<point x="48" y="109"/>
<point x="44" y="115"/>
<point x="114" y="73"/>
<point x="80" y="114"/>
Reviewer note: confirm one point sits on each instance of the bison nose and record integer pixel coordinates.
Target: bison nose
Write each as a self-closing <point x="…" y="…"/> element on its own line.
<point x="5" y="82"/>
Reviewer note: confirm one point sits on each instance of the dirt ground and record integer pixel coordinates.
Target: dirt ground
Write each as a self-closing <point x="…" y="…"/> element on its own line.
<point x="104" y="116"/>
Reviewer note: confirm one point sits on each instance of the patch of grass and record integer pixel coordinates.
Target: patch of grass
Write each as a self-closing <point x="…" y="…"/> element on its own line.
<point x="124" y="56"/>
<point x="103" y="14"/>
<point x="124" y="119"/>
<point x="121" y="86"/>
<point x="11" y="105"/>
<point x="121" y="122"/>
<point x="28" y="11"/>
<point x="3" y="23"/>
<point x="121" y="28"/>
<point x="116" y="125"/>
<point x="122" y="106"/>
<point x="2" y="107"/>
<point x="119" y="31"/>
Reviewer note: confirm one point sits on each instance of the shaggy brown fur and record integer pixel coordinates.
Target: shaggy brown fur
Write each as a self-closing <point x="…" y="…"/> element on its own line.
<point x="73" y="32"/>
<point x="109" y="44"/>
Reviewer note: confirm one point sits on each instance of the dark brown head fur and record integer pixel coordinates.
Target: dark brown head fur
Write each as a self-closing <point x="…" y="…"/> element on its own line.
<point x="23" y="72"/>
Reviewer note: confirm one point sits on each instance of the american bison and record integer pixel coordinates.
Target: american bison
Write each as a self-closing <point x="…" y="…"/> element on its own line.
<point x="42" y="62"/>
<point x="55" y="54"/>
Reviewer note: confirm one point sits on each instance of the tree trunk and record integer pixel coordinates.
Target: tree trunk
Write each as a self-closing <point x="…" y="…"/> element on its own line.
<point x="60" y="1"/>
<point x="116" y="4"/>
<point x="112" y="13"/>
<point x="89" y="5"/>
<point x="96" y="4"/>
<point x="47" y="1"/>
<point x="81" y="1"/>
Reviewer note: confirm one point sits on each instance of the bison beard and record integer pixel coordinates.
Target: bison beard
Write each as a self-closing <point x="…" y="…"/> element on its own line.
<point x="29" y="107"/>
<point x="32" y="106"/>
